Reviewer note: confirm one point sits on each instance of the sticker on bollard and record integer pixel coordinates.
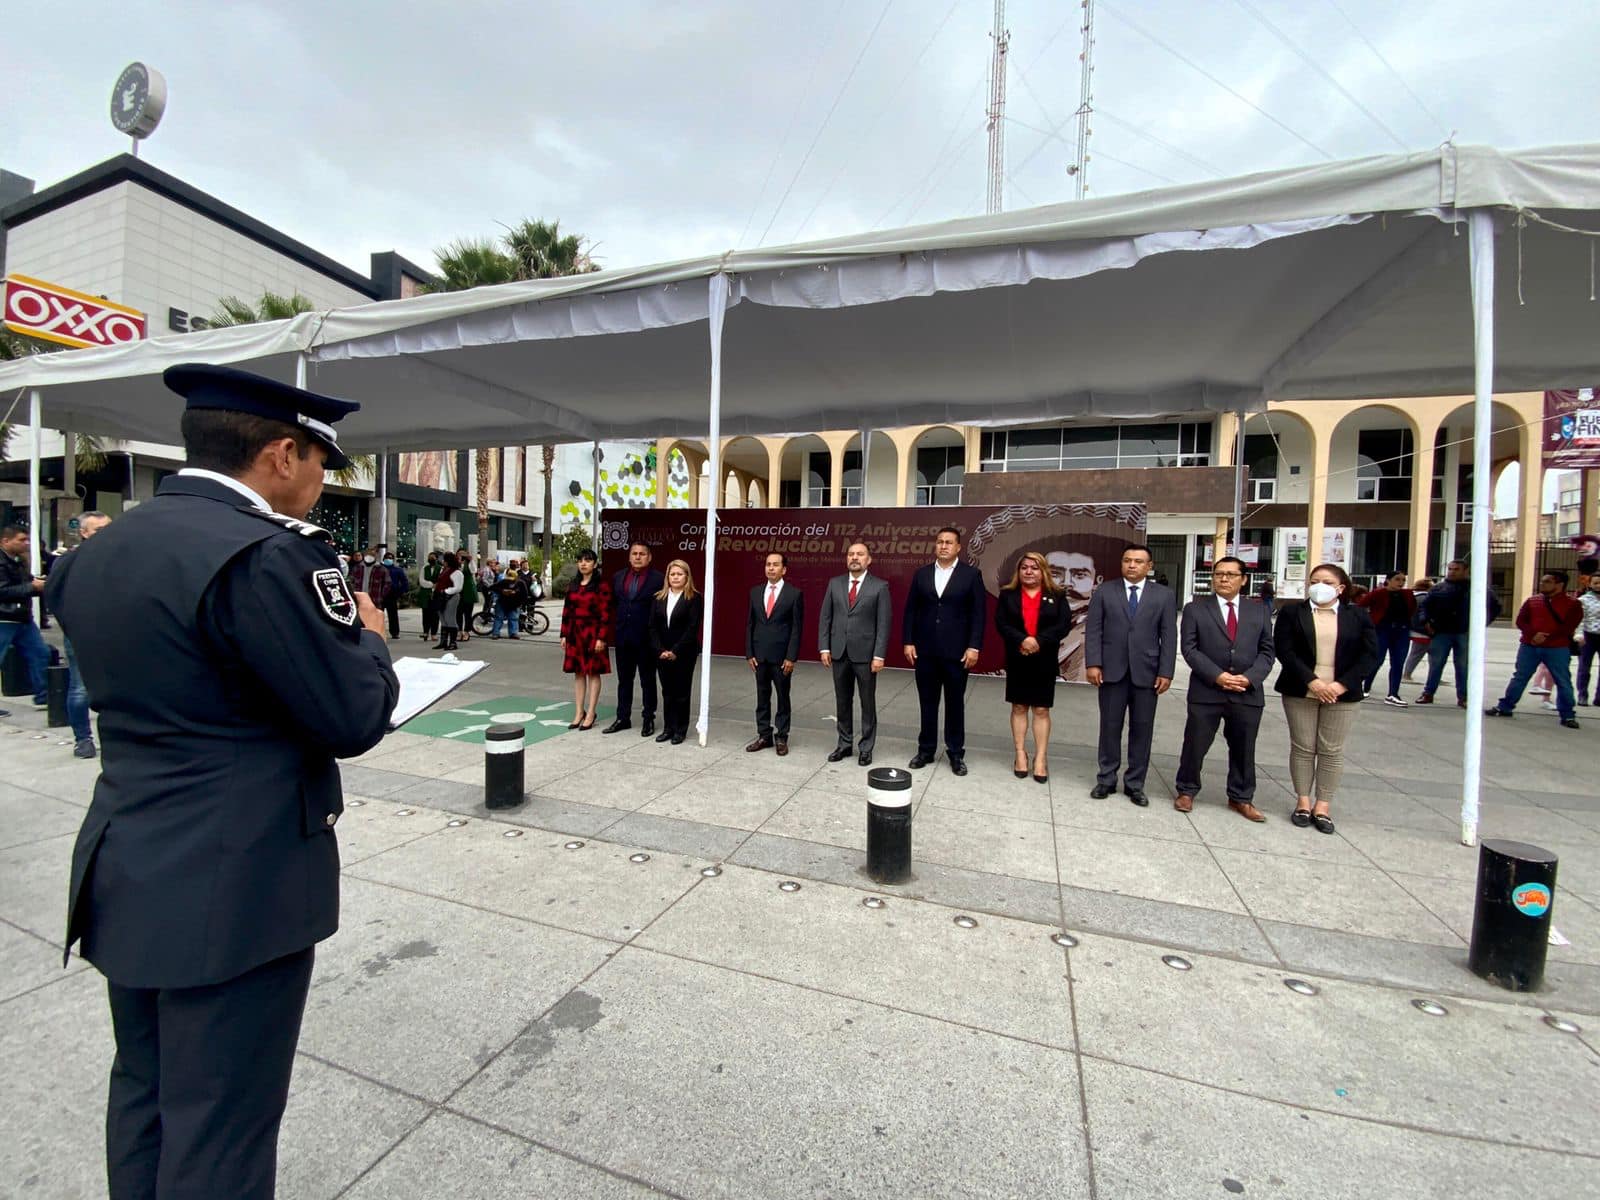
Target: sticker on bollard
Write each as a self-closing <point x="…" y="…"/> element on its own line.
<point x="503" y="747"/>
<point x="889" y="824"/>
<point x="1511" y="915"/>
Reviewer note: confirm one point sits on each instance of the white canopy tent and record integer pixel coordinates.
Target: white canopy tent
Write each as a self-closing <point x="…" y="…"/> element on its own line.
<point x="1347" y="280"/>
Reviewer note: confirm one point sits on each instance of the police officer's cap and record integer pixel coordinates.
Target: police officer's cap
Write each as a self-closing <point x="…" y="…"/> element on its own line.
<point x="233" y="390"/>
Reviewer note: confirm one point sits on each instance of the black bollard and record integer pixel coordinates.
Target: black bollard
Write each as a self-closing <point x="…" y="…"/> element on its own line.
<point x="502" y="766"/>
<point x="1511" y="920"/>
<point x="14" y="674"/>
<point x="56" y="678"/>
<point x="889" y="824"/>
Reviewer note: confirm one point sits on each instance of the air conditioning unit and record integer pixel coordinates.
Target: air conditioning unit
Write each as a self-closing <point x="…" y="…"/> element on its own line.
<point x="1263" y="491"/>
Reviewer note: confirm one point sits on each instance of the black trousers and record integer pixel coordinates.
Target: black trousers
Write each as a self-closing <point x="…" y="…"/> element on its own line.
<point x="849" y="678"/>
<point x="942" y="679"/>
<point x="430" y="615"/>
<point x="1239" y="724"/>
<point x="677" y="682"/>
<point x="199" y="1084"/>
<point x="641" y="661"/>
<point x="1119" y="702"/>
<point x="391" y="607"/>
<point x="770" y="676"/>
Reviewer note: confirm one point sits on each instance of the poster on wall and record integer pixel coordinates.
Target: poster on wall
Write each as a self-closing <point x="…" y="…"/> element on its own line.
<point x="428" y="468"/>
<point x="1571" y="429"/>
<point x="1082" y="543"/>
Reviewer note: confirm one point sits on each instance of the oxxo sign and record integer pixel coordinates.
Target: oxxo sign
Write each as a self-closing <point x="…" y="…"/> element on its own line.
<point x="57" y="314"/>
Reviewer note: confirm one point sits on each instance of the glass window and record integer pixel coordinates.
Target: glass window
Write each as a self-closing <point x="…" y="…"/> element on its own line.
<point x="940" y="472"/>
<point x="850" y="494"/>
<point x="819" y="468"/>
<point x="1261" y="456"/>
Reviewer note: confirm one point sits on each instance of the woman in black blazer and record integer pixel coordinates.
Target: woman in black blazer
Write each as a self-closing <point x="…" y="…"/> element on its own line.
<point x="1328" y="649"/>
<point x="675" y="641"/>
<point x="1032" y="618"/>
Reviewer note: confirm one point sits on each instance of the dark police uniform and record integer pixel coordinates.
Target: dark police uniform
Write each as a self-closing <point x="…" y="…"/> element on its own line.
<point x="223" y="652"/>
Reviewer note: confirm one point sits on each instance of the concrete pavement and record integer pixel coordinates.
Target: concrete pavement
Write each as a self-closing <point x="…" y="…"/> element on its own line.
<point x="517" y="1005"/>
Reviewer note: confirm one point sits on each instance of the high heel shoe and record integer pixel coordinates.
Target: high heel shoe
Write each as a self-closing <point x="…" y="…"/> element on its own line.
<point x="1023" y="773"/>
<point x="589" y="724"/>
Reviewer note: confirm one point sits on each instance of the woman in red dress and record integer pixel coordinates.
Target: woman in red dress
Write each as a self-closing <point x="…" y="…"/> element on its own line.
<point x="585" y="620"/>
<point x="1032" y="617"/>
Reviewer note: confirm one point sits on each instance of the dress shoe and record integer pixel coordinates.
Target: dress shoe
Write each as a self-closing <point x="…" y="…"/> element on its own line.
<point x="664" y="736"/>
<point x="1247" y="810"/>
<point x="920" y="761"/>
<point x="1138" y="797"/>
<point x="1183" y="802"/>
<point x="783" y="748"/>
<point x="958" y="766"/>
<point x="677" y="739"/>
<point x="618" y="725"/>
<point x="648" y="728"/>
<point x="1571" y="723"/>
<point x="864" y="758"/>
<point x="760" y="743"/>
<point x="84" y="748"/>
<point x="1099" y="792"/>
<point x="842" y="753"/>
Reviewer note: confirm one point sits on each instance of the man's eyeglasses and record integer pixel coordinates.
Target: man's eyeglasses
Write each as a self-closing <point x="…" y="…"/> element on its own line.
<point x="1227" y="574"/>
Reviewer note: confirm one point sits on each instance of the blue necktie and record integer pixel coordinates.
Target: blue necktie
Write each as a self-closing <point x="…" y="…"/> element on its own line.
<point x="1133" y="602"/>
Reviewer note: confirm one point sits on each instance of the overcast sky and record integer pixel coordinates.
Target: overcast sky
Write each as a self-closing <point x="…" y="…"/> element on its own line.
<point x="665" y="130"/>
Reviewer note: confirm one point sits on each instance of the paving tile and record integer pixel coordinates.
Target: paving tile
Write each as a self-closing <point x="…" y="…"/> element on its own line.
<point x="1390" y="810"/>
<point x="452" y="1158"/>
<point x="334" y="1127"/>
<point x="33" y="886"/>
<point x="371" y="781"/>
<point x="1012" y="978"/>
<point x="1389" y="1062"/>
<point x="1331" y="896"/>
<point x="819" y="815"/>
<point x="1074" y="808"/>
<point x="595" y="890"/>
<point x="648" y="1031"/>
<point x="736" y="803"/>
<point x="1139" y="866"/>
<point x="1221" y="827"/>
<point x="983" y="842"/>
<point x="1010" y="798"/>
<point x="392" y="743"/>
<point x="562" y="816"/>
<point x="433" y="759"/>
<point x="648" y="753"/>
<point x="70" y="781"/>
<point x="418" y="994"/>
<point x="28" y="962"/>
<point x="371" y="826"/>
<point x="806" y="756"/>
<point x="1419" y="852"/>
<point x="694" y="839"/>
<point x="1157" y="1138"/>
<point x="611" y="784"/>
<point x="30" y="817"/>
<point x="1179" y="926"/>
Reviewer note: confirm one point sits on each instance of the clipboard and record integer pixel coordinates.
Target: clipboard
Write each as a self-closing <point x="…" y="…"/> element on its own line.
<point x="426" y="681"/>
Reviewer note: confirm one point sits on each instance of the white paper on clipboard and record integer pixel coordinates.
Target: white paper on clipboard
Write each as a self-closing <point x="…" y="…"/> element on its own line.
<point x="425" y="681"/>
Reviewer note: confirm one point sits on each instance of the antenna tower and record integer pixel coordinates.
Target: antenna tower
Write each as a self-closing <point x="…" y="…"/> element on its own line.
<point x="997" y="110"/>
<point x="1079" y="170"/>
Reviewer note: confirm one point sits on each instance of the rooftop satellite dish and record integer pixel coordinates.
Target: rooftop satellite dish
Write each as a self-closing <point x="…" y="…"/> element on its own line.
<point x="137" y="102"/>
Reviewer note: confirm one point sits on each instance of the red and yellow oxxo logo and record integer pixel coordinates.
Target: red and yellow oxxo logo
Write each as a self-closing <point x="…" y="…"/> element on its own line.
<point x="57" y="314"/>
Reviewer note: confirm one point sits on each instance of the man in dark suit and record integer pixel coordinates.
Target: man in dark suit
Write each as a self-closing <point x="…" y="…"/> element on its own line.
<point x="943" y="628"/>
<point x="633" y="593"/>
<point x="853" y="634"/>
<point x="206" y="868"/>
<point x="1227" y="642"/>
<point x="771" y="646"/>
<point x="1130" y="649"/>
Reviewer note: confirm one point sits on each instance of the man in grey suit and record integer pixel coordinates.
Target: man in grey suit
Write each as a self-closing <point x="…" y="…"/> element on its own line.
<point x="1227" y="642"/>
<point x="854" y="637"/>
<point x="1130" y="650"/>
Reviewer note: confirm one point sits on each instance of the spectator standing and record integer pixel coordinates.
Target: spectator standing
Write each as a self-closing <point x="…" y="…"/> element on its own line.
<point x="1391" y="608"/>
<point x="1589" y="639"/>
<point x="675" y="638"/>
<point x="772" y="647"/>
<point x="633" y="593"/>
<point x="509" y="595"/>
<point x="943" y="628"/>
<point x="447" y="594"/>
<point x="1131" y="650"/>
<point x="586" y="619"/>
<point x="469" y="595"/>
<point x="1327" y="650"/>
<point x="399" y="585"/>
<point x="18" y="587"/>
<point x="369" y="575"/>
<point x="1032" y="616"/>
<point x="1419" y="635"/>
<point x="89" y="524"/>
<point x="1449" y="617"/>
<point x="1227" y="642"/>
<point x="1548" y="620"/>
<point x="431" y="603"/>
<point x="488" y="575"/>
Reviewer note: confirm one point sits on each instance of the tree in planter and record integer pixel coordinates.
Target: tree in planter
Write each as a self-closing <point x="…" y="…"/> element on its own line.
<point x="529" y="250"/>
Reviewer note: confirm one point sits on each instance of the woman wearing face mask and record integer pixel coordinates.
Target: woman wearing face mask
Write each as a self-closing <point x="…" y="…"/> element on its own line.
<point x="675" y="638"/>
<point x="447" y="596"/>
<point x="1327" y="649"/>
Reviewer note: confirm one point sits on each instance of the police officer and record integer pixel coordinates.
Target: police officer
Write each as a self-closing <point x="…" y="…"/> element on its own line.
<point x="206" y="869"/>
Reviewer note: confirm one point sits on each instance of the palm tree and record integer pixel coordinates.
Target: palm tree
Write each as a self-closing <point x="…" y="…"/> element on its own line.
<point x="273" y="307"/>
<point x="532" y="249"/>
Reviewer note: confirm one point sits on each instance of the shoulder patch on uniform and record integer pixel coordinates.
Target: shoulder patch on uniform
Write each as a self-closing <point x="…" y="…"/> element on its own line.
<point x="333" y="596"/>
<point x="303" y="528"/>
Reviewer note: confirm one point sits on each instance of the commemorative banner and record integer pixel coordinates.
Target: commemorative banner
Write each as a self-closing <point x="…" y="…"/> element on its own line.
<point x="1571" y="430"/>
<point x="1082" y="543"/>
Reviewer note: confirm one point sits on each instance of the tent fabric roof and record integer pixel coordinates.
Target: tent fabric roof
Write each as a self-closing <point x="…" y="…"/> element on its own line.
<point x="1340" y="280"/>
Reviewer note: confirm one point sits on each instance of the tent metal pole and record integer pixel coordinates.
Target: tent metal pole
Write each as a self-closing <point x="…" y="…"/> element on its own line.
<point x="383" y="496"/>
<point x="300" y="370"/>
<point x="1480" y="226"/>
<point x="35" y="528"/>
<point x="1238" y="486"/>
<point x="718" y="305"/>
<point x="594" y="490"/>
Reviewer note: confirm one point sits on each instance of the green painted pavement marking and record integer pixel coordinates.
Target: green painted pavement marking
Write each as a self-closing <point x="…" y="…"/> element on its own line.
<point x="540" y="718"/>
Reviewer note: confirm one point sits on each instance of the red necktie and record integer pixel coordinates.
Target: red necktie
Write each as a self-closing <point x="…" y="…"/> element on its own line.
<point x="854" y="584"/>
<point x="772" y="597"/>
<point x="1233" y="623"/>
